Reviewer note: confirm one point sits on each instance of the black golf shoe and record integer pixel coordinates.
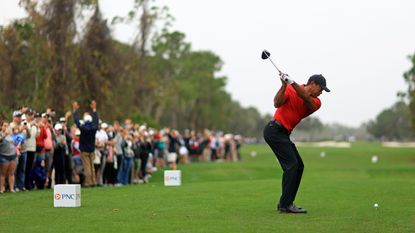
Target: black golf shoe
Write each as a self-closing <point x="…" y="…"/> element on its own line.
<point x="292" y="209"/>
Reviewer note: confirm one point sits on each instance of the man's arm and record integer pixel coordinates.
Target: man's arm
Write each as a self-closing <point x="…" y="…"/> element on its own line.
<point x="95" y="117"/>
<point x="279" y="97"/>
<point x="75" y="107"/>
<point x="305" y="96"/>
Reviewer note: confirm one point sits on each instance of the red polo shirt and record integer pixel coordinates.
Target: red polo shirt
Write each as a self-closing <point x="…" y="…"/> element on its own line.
<point x="293" y="109"/>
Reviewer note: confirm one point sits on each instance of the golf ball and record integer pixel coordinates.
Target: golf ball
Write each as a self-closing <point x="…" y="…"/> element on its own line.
<point x="253" y="153"/>
<point x="323" y="154"/>
<point x="376" y="205"/>
<point x="375" y="159"/>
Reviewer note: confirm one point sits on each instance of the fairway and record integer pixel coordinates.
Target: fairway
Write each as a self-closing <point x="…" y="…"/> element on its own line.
<point x="339" y="192"/>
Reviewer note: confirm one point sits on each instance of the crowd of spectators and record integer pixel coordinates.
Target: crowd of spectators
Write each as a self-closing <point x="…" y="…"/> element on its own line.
<point x="38" y="150"/>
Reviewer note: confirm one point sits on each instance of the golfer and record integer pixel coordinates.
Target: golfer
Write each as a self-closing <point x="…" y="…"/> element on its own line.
<point x="293" y="102"/>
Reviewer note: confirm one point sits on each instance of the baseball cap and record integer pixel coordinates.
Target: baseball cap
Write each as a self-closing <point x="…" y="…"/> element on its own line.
<point x="77" y="132"/>
<point x="62" y="119"/>
<point x="104" y="125"/>
<point x="320" y="80"/>
<point x="30" y="112"/>
<point x="88" y="118"/>
<point x="17" y="114"/>
<point x="58" y="126"/>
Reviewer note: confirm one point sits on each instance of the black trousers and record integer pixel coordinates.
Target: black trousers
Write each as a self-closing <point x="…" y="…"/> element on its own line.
<point x="143" y="166"/>
<point x="29" y="166"/>
<point x="278" y="139"/>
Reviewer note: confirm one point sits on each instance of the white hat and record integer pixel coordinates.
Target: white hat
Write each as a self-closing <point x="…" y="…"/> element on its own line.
<point x="142" y="128"/>
<point x="58" y="127"/>
<point x="104" y="125"/>
<point x="77" y="132"/>
<point x="17" y="114"/>
<point x="228" y="136"/>
<point x="88" y="118"/>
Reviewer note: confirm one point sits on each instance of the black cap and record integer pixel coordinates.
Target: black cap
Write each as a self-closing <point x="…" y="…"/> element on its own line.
<point x="319" y="80"/>
<point x="30" y="111"/>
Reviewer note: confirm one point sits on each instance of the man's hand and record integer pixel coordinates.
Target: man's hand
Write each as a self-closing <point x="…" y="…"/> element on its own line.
<point x="93" y="105"/>
<point x="75" y="106"/>
<point x="68" y="114"/>
<point x="285" y="78"/>
<point x="24" y="109"/>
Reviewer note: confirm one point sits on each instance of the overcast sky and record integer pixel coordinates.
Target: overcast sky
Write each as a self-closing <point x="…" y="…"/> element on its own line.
<point x="360" y="46"/>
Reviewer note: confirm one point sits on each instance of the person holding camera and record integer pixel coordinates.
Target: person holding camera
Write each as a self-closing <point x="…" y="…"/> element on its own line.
<point x="30" y="145"/>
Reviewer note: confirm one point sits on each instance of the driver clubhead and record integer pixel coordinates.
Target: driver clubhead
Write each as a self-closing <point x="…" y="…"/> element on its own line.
<point x="265" y="54"/>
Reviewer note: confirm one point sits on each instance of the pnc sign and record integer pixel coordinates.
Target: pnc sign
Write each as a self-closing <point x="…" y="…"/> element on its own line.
<point x="172" y="178"/>
<point x="67" y="195"/>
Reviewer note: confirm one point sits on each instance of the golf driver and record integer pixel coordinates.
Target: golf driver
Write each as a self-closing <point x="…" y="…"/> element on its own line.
<point x="267" y="55"/>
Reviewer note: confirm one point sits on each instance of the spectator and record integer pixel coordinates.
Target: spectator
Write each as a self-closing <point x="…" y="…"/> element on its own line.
<point x="145" y="150"/>
<point x="172" y="148"/>
<point x="128" y="155"/>
<point x="40" y="163"/>
<point x="77" y="171"/>
<point x="194" y="146"/>
<point x="38" y="174"/>
<point x="59" y="154"/>
<point x="101" y="140"/>
<point x="110" y="171"/>
<point x="48" y="145"/>
<point x="30" y="146"/>
<point x="68" y="156"/>
<point x="87" y="141"/>
<point x="8" y="158"/>
<point x="118" y="139"/>
<point x="161" y="149"/>
<point x="19" y="126"/>
<point x="214" y="147"/>
<point x="135" y="171"/>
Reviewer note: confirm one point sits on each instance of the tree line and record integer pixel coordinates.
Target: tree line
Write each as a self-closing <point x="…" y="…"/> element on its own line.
<point x="50" y="58"/>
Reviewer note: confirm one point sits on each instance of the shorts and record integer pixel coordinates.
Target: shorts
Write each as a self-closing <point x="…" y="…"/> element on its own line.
<point x="171" y="157"/>
<point x="7" y="159"/>
<point x="77" y="164"/>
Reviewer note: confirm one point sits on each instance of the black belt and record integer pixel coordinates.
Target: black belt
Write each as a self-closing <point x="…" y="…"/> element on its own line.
<point x="281" y="126"/>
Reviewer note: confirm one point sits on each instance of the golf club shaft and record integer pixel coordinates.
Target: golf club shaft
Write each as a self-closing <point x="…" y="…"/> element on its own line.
<point x="275" y="65"/>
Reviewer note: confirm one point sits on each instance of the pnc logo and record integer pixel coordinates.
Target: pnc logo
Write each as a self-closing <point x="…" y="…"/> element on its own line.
<point x="168" y="178"/>
<point x="65" y="196"/>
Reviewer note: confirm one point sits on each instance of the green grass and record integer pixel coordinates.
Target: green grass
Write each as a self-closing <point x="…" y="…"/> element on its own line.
<point x="339" y="191"/>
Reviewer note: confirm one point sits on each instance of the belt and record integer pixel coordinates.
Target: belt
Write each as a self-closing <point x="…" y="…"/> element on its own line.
<point x="281" y="126"/>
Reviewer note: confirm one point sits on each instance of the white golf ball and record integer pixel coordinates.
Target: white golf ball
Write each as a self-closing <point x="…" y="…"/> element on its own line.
<point x="375" y="159"/>
<point x="376" y="205"/>
<point x="323" y="154"/>
<point x="253" y="153"/>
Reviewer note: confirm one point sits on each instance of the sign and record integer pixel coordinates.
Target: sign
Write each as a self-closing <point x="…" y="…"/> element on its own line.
<point x="172" y="178"/>
<point x="67" y="195"/>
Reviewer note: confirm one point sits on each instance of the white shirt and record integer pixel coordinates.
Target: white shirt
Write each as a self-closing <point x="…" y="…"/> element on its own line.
<point x="101" y="136"/>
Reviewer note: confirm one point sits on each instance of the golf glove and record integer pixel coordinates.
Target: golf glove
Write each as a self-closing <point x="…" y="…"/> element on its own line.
<point x="285" y="78"/>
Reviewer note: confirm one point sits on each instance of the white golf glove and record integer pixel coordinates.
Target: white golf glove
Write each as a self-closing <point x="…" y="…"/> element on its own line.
<point x="286" y="78"/>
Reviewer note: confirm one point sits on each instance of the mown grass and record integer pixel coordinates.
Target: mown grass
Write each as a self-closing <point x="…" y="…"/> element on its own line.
<point x="339" y="191"/>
